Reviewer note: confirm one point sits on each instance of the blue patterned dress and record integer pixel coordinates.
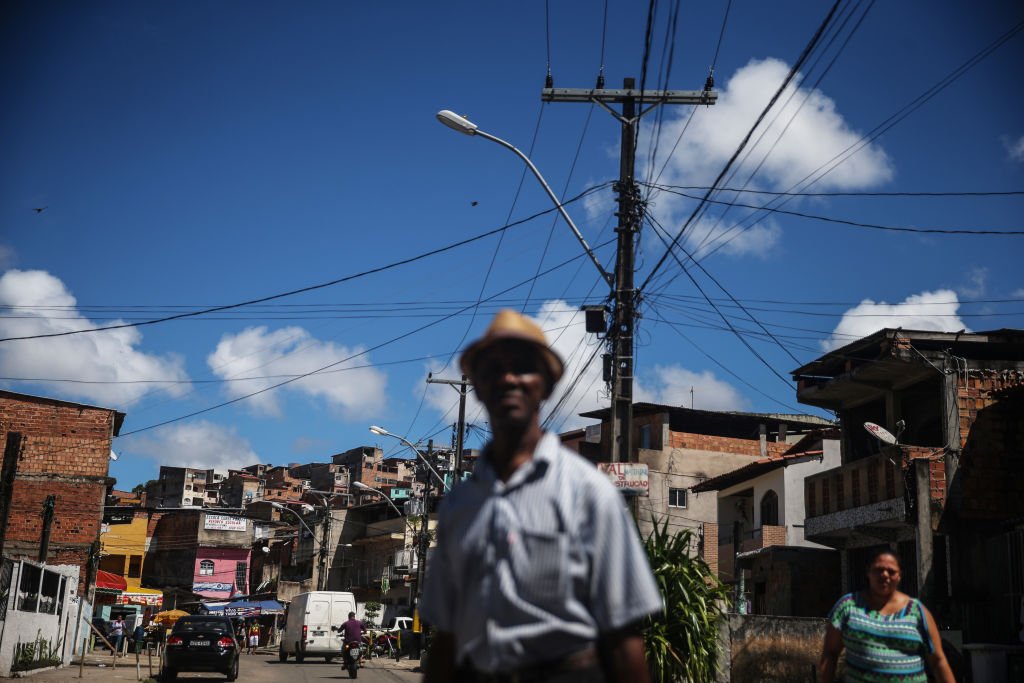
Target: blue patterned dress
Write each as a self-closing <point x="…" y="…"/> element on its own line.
<point x="882" y="647"/>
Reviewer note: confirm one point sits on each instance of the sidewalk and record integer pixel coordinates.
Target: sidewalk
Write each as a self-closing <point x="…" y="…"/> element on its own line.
<point x="98" y="666"/>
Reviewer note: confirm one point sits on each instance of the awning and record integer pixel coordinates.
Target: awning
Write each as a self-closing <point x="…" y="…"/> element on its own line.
<point x="108" y="582"/>
<point x="244" y="608"/>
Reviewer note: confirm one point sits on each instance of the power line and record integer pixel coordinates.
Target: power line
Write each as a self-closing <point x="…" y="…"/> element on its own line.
<point x="789" y="77"/>
<point x="740" y="190"/>
<point x="321" y="285"/>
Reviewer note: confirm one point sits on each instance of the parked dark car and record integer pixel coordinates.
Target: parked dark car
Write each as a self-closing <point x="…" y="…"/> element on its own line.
<point x="201" y="643"/>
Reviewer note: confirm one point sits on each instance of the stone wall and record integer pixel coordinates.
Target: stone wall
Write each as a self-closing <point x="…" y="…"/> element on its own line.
<point x="766" y="649"/>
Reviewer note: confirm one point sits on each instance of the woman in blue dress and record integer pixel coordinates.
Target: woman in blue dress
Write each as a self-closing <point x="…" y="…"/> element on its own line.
<point x="888" y="635"/>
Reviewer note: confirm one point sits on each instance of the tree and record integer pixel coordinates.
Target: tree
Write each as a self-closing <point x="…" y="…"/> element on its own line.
<point x="371" y="610"/>
<point x="682" y="640"/>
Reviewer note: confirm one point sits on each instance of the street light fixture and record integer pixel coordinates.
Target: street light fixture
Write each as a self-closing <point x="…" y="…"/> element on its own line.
<point x="467" y="127"/>
<point x="364" y="487"/>
<point x="380" y="431"/>
<point x="279" y="506"/>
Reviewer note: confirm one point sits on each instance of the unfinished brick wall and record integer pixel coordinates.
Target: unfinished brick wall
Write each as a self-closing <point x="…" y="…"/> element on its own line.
<point x="773" y="535"/>
<point x="992" y="467"/>
<point x="981" y="391"/>
<point x="711" y="546"/>
<point x="724" y="444"/>
<point x="65" y="453"/>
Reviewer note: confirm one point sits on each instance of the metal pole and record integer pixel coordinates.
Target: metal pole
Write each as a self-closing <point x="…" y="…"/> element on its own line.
<point x="44" y="540"/>
<point x="460" y="438"/>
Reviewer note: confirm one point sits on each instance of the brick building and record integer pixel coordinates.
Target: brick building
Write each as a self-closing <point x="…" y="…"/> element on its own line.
<point x="58" y="448"/>
<point x="950" y="494"/>
<point x="683" y="447"/>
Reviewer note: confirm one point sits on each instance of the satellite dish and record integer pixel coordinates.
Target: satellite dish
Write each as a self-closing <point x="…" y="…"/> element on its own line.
<point x="880" y="433"/>
<point x="113" y="456"/>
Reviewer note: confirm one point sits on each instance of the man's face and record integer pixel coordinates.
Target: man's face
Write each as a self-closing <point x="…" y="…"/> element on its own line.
<point x="511" y="382"/>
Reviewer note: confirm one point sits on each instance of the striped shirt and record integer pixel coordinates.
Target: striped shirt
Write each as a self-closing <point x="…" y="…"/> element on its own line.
<point x="882" y="647"/>
<point x="535" y="568"/>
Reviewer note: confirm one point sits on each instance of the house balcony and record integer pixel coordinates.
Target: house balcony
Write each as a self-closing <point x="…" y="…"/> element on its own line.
<point x="865" y="502"/>
<point x="762" y="537"/>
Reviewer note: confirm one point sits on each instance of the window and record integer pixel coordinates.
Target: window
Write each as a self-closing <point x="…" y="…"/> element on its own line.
<point x="134" y="566"/>
<point x="677" y="498"/>
<point x="206" y="568"/>
<point x="241" y="577"/>
<point x="770" y="509"/>
<point x="645" y="436"/>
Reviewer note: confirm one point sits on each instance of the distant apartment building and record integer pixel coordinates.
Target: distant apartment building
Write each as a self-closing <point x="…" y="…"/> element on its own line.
<point x="240" y="489"/>
<point x="367" y="464"/>
<point x="179" y="487"/>
<point x="279" y="484"/>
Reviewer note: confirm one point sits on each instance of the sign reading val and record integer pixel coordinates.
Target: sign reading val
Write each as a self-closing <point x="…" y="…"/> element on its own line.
<point x="225" y="523"/>
<point x="628" y="477"/>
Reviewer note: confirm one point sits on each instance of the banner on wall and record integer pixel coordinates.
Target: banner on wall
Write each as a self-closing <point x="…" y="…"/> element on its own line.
<point x="211" y="586"/>
<point x="225" y="523"/>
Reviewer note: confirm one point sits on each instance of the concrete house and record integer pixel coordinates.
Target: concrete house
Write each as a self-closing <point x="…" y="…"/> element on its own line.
<point x="762" y="550"/>
<point x="950" y="494"/>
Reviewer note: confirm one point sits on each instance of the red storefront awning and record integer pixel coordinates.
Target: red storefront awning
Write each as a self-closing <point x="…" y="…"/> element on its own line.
<point x="110" y="582"/>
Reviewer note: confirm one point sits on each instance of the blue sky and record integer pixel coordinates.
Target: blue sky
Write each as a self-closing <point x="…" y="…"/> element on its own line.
<point x="190" y="155"/>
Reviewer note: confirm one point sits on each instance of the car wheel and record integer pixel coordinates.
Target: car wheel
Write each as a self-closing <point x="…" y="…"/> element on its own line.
<point x="299" y="657"/>
<point x="282" y="656"/>
<point x="169" y="675"/>
<point x="232" y="673"/>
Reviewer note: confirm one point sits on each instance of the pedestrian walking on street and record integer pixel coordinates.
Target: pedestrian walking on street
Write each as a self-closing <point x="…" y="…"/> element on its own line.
<point x="117" y="627"/>
<point x="254" y="637"/>
<point x="888" y="635"/>
<point x="539" y="573"/>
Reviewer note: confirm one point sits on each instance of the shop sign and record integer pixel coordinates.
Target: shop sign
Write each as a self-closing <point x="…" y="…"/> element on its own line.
<point x="210" y="586"/>
<point x="629" y="477"/>
<point x="225" y="523"/>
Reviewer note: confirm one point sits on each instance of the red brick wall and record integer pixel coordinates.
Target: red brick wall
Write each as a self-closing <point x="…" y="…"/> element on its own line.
<point x="711" y="546"/>
<point x="773" y="535"/>
<point x="723" y="444"/>
<point x="65" y="452"/>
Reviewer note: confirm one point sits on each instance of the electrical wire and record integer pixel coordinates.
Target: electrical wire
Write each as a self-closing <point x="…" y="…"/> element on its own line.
<point x="322" y="285"/>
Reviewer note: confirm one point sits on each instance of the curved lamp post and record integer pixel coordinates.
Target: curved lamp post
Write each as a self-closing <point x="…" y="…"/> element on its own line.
<point x="365" y="487"/>
<point x="279" y="506"/>
<point x="380" y="431"/>
<point x="467" y="127"/>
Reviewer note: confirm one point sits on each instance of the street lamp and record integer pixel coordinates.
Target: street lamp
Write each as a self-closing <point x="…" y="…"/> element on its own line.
<point x="467" y="127"/>
<point x="380" y="431"/>
<point x="279" y="506"/>
<point x="364" y="487"/>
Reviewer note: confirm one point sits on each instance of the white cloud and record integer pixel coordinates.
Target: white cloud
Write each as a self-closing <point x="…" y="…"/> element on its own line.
<point x="197" y="443"/>
<point x="1015" y="148"/>
<point x="46" y="307"/>
<point x="564" y="327"/>
<point x="814" y="136"/>
<point x="1018" y="293"/>
<point x="352" y="390"/>
<point x="977" y="279"/>
<point x="929" y="311"/>
<point x="670" y="385"/>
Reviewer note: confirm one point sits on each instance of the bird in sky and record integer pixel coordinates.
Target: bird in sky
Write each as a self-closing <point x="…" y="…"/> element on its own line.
<point x="40" y="209"/>
<point x="474" y="203"/>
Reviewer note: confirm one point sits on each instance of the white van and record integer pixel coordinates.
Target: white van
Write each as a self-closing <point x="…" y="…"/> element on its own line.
<point x="308" y="631"/>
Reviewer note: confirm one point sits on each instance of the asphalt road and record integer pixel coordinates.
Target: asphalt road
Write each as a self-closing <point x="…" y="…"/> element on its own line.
<point x="258" y="668"/>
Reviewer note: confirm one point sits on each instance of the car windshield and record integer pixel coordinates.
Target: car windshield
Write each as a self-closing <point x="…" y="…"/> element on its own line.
<point x="196" y="625"/>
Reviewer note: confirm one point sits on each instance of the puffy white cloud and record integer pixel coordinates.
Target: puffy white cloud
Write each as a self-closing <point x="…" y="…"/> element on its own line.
<point x="1015" y="148"/>
<point x="1018" y="293"/>
<point x="582" y="388"/>
<point x="670" y="385"/>
<point x="197" y="443"/>
<point x="930" y="311"/>
<point x="815" y="134"/>
<point x="352" y="390"/>
<point x="45" y="306"/>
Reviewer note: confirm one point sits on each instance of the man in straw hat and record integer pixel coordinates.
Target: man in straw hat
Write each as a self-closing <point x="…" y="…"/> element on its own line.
<point x="539" y="574"/>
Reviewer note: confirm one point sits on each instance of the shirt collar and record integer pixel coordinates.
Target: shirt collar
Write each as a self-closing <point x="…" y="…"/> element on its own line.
<point x="543" y="455"/>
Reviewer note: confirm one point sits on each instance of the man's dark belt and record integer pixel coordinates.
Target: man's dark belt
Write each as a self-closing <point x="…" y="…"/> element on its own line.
<point x="535" y="673"/>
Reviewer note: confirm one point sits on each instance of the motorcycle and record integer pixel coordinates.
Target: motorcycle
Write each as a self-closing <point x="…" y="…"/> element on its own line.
<point x="352" y="655"/>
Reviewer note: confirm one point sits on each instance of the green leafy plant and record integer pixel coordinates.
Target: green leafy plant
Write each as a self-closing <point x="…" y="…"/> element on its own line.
<point x="682" y="640"/>
<point x="36" y="654"/>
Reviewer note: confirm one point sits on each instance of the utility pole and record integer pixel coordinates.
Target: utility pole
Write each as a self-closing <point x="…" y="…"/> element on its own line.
<point x="422" y="544"/>
<point x="630" y="215"/>
<point x="462" y="386"/>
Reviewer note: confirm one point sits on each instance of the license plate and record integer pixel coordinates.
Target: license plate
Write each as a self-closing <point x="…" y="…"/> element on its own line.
<point x="200" y="643"/>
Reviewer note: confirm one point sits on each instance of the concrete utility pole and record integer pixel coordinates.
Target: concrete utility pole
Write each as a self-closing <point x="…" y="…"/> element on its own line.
<point x="630" y="215"/>
<point x="462" y="386"/>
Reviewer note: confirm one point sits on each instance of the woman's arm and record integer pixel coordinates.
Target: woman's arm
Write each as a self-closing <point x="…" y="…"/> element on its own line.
<point x="830" y="654"/>
<point x="622" y="656"/>
<point x="937" y="662"/>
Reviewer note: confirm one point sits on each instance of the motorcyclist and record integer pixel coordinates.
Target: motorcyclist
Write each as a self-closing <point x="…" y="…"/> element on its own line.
<point x="352" y="633"/>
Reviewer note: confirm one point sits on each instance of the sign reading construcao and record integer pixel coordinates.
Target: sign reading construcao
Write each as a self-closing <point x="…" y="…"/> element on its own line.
<point x="628" y="477"/>
<point x="224" y="523"/>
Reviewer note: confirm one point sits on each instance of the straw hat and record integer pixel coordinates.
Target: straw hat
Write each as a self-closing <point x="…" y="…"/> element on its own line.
<point x="509" y="325"/>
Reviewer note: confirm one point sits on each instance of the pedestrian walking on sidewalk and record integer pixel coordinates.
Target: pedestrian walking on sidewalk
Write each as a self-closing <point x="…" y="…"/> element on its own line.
<point x="254" y="637"/>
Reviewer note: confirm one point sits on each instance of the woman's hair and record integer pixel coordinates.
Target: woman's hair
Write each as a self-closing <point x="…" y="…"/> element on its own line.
<point x="878" y="552"/>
